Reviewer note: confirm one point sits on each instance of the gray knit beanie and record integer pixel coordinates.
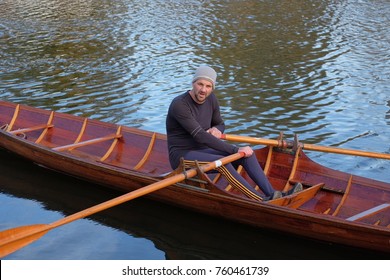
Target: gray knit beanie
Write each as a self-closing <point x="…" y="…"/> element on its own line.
<point x="207" y="73"/>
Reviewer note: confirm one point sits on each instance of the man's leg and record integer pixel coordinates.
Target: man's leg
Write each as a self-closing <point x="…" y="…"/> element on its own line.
<point x="256" y="173"/>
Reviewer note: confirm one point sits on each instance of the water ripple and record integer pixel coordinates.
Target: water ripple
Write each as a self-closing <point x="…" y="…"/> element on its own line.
<point x="316" y="68"/>
<point x="320" y="69"/>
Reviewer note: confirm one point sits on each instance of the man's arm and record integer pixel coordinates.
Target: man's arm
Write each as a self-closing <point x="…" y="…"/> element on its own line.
<point x="183" y="115"/>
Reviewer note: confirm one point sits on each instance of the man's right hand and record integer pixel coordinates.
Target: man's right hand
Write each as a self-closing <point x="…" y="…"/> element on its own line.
<point x="246" y="150"/>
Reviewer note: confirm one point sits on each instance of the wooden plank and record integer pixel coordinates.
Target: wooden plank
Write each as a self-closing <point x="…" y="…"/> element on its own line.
<point x="29" y="129"/>
<point x="369" y="212"/>
<point x="297" y="199"/>
<point x="80" y="135"/>
<point x="87" y="142"/>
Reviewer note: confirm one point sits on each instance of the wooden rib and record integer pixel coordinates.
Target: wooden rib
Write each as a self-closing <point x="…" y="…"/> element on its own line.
<point x="345" y="195"/>
<point x="82" y="130"/>
<point x="147" y="153"/>
<point x="87" y="142"/>
<point x="268" y="161"/>
<point x="109" y="151"/>
<point x="49" y="122"/>
<point x="14" y="117"/>
<point x="369" y="212"/>
<point x="29" y="129"/>
<point x="78" y="139"/>
<point x="293" y="169"/>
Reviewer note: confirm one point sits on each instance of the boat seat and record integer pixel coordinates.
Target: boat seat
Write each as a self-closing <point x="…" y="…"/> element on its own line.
<point x="21" y="132"/>
<point x="87" y="142"/>
<point x="33" y="128"/>
<point x="369" y="212"/>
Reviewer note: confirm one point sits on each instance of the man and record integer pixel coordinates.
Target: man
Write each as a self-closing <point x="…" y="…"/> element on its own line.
<point x="194" y="127"/>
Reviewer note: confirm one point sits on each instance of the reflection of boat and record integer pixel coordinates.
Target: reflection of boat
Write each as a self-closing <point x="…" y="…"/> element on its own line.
<point x="334" y="206"/>
<point x="179" y="234"/>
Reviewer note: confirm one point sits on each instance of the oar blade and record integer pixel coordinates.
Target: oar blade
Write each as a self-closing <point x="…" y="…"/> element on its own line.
<point x="14" y="239"/>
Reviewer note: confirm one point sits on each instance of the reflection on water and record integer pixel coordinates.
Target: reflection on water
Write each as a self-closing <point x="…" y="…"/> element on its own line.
<point x="316" y="68"/>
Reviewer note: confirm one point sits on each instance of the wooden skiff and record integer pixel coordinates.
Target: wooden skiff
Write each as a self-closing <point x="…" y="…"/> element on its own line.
<point x="334" y="206"/>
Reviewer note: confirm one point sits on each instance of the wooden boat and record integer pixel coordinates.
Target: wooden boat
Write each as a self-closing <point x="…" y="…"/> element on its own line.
<point x="176" y="233"/>
<point x="334" y="206"/>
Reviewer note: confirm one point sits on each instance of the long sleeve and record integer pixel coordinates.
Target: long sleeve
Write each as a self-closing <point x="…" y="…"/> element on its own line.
<point x="187" y="124"/>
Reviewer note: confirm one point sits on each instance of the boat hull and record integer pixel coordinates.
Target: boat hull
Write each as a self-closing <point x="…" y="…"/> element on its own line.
<point x="299" y="222"/>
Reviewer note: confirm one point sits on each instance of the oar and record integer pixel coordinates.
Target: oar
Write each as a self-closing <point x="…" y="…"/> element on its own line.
<point x="284" y="144"/>
<point x="16" y="238"/>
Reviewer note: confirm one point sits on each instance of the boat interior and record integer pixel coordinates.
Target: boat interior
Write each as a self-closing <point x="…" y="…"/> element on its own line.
<point x="326" y="191"/>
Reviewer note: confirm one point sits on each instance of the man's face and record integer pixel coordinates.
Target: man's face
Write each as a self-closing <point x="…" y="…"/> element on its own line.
<point x="201" y="89"/>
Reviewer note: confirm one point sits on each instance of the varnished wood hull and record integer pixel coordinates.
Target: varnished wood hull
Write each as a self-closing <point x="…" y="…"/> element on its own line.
<point x="345" y="209"/>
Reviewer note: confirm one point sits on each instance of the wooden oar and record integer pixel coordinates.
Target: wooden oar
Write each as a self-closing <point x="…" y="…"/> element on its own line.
<point x="284" y="144"/>
<point x="16" y="238"/>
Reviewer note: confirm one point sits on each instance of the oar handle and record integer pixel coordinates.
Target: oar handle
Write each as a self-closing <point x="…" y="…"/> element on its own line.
<point x="287" y="144"/>
<point x="251" y="140"/>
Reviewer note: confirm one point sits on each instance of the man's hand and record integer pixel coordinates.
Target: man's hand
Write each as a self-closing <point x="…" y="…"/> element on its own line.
<point x="215" y="132"/>
<point x="246" y="150"/>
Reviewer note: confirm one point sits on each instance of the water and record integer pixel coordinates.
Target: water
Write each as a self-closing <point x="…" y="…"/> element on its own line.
<point x="316" y="68"/>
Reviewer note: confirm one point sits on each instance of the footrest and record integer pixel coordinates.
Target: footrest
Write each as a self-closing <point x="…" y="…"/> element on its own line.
<point x="297" y="199"/>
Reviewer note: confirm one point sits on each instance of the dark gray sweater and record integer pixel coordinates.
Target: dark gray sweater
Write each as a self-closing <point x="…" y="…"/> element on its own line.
<point x="187" y="124"/>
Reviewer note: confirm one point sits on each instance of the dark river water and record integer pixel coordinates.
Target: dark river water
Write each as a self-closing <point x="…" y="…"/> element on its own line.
<point x="319" y="69"/>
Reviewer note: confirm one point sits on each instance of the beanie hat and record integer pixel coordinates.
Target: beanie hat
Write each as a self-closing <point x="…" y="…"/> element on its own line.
<point x="207" y="73"/>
